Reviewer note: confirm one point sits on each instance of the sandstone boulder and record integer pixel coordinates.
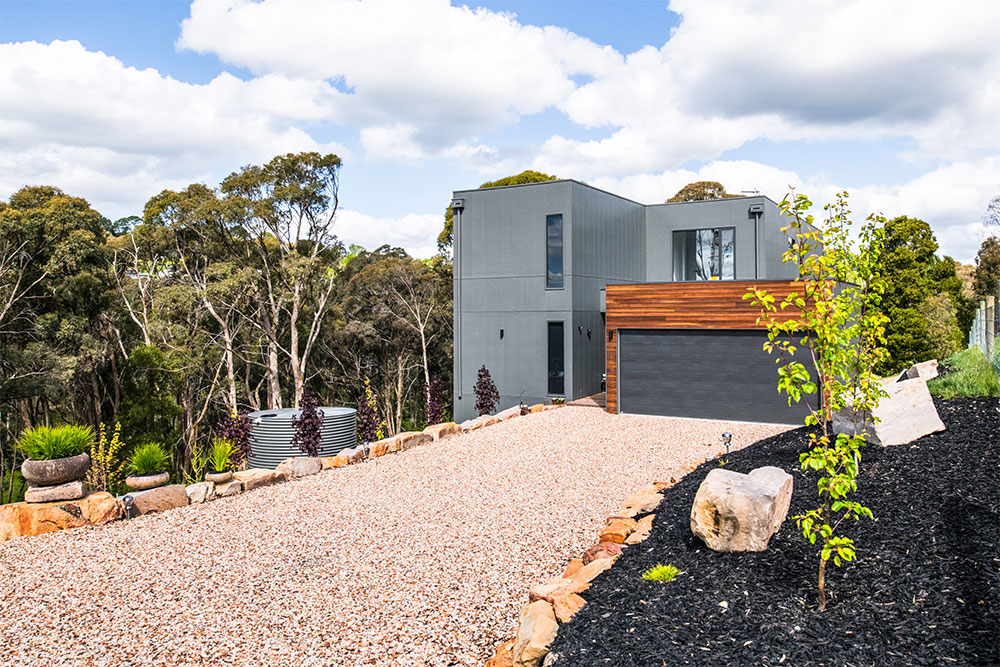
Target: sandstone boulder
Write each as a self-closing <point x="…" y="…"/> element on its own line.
<point x="906" y="414"/>
<point x="438" y="431"/>
<point x="381" y="447"/>
<point x="160" y="499"/>
<point x="565" y="606"/>
<point x="737" y="512"/>
<point x="509" y="413"/>
<point x="556" y="587"/>
<point x="411" y="439"/>
<point x="926" y="370"/>
<point x="26" y="519"/>
<point x="257" y="477"/>
<point x="589" y="572"/>
<point x="617" y="529"/>
<point x="227" y="489"/>
<point x="537" y="407"/>
<point x="201" y="492"/>
<point x="572" y="568"/>
<point x="610" y="550"/>
<point x="502" y="657"/>
<point x="299" y="466"/>
<point x="327" y="462"/>
<point x="639" y="503"/>
<point x="535" y="631"/>
<point x="642" y="530"/>
<point x="51" y="494"/>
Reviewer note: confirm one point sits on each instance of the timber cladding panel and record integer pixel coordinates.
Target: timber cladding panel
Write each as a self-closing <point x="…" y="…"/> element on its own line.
<point x="702" y="305"/>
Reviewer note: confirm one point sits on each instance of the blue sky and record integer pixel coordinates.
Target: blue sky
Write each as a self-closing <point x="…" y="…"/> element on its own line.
<point x="116" y="100"/>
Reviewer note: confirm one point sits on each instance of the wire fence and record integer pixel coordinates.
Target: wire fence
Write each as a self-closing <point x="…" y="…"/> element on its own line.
<point x="986" y="327"/>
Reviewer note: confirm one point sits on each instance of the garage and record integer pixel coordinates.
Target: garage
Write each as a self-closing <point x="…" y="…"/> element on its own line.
<point x="713" y="374"/>
<point x="694" y="350"/>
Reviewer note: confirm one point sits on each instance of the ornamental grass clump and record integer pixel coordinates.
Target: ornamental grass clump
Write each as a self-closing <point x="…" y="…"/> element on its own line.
<point x="659" y="572"/>
<point x="45" y="443"/>
<point x="835" y="315"/>
<point x="149" y="459"/>
<point x="308" y="425"/>
<point x="220" y="455"/>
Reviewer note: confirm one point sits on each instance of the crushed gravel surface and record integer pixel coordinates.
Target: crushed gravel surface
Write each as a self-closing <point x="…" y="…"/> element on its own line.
<point x="417" y="558"/>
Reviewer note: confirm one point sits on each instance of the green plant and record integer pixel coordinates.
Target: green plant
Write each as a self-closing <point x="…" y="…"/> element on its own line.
<point x="149" y="459"/>
<point x="220" y="455"/>
<point x="723" y="462"/>
<point x="44" y="443"/>
<point x="966" y="373"/>
<point x="106" y="466"/>
<point x="660" y="572"/>
<point x="835" y="315"/>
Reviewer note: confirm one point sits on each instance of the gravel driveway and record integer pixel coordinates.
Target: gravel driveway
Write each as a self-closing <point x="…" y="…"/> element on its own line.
<point x="417" y="558"/>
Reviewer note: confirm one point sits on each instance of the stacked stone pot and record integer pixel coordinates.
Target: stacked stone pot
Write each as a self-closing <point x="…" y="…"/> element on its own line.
<point x="55" y="479"/>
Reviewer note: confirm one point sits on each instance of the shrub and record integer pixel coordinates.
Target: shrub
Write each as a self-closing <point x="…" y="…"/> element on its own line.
<point x="660" y="572"/>
<point x="236" y="429"/>
<point x="149" y="459"/>
<point x="370" y="427"/>
<point x="44" y="443"/>
<point x="220" y="455"/>
<point x="308" y="425"/>
<point x="966" y="373"/>
<point x="487" y="396"/>
<point x="433" y="402"/>
<point x="106" y="466"/>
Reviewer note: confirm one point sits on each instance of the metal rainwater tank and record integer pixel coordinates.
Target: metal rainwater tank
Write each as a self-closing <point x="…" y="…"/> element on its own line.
<point x="271" y="436"/>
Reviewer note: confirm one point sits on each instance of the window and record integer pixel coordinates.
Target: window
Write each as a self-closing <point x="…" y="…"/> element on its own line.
<point x="553" y="251"/>
<point x="705" y="254"/>
<point x="557" y="356"/>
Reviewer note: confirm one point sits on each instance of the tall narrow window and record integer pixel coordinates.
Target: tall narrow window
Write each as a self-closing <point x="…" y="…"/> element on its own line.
<point x="557" y="357"/>
<point x="705" y="254"/>
<point x="553" y="251"/>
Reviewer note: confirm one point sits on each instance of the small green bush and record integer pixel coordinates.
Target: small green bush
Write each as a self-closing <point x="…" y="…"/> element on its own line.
<point x="966" y="373"/>
<point x="660" y="572"/>
<point x="149" y="459"/>
<point x="220" y="455"/>
<point x="44" y="443"/>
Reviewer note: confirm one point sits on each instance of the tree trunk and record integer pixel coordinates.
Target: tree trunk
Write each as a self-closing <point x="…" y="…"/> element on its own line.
<point x="822" y="584"/>
<point x="298" y="373"/>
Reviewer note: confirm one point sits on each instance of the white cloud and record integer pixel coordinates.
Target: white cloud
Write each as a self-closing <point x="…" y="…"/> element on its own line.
<point x="416" y="232"/>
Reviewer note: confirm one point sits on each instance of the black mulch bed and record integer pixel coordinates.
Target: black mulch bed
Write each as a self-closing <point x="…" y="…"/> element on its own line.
<point x="924" y="590"/>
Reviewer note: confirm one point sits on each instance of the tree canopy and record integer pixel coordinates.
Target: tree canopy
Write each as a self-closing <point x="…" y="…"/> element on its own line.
<point x="987" y="275"/>
<point x="701" y="191"/>
<point x="446" y="237"/>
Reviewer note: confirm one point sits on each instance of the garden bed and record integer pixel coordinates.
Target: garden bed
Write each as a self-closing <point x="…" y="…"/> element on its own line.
<point x="924" y="590"/>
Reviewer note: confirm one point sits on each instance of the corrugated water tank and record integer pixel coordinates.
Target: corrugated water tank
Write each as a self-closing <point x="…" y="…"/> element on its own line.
<point x="271" y="436"/>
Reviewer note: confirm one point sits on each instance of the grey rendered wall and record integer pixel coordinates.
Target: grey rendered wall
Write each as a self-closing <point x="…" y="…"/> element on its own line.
<point x="753" y="260"/>
<point x="776" y="243"/>
<point x="499" y="283"/>
<point x="608" y="247"/>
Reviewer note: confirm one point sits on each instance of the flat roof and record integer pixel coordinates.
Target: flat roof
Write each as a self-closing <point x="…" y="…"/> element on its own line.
<point x="612" y="194"/>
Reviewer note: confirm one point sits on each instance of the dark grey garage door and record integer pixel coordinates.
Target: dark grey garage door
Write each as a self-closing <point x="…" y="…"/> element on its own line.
<point x="714" y="374"/>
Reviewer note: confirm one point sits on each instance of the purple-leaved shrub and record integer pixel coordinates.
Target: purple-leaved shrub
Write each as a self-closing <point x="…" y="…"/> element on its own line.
<point x="308" y="425"/>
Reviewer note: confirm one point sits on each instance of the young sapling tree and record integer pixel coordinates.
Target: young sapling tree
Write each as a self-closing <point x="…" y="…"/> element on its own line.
<point x="487" y="396"/>
<point x="308" y="425"/>
<point x="834" y="314"/>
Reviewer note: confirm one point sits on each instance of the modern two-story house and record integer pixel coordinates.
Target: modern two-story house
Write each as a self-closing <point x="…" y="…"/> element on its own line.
<point x="561" y="289"/>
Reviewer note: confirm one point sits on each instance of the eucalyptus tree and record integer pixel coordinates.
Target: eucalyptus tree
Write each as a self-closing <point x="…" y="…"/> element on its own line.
<point x="288" y="207"/>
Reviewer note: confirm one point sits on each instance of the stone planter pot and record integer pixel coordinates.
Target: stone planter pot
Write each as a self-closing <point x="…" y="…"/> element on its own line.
<point x="144" y="482"/>
<point x="219" y="477"/>
<point x="55" y="471"/>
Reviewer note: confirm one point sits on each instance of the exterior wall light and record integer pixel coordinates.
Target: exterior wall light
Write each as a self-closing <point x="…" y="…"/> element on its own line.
<point x="611" y="335"/>
<point x="727" y="439"/>
<point x="501" y="334"/>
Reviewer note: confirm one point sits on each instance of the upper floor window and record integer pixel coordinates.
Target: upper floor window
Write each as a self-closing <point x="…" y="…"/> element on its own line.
<point x="705" y="254"/>
<point x="553" y="251"/>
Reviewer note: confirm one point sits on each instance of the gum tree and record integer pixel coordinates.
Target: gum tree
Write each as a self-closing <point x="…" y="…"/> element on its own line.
<point x="833" y="317"/>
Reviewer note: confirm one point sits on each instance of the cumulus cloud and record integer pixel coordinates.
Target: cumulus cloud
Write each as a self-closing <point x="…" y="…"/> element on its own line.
<point x="416" y="233"/>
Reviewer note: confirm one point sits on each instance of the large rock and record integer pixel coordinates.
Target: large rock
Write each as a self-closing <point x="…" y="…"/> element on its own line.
<point x="536" y="629"/>
<point x="411" y="439"/>
<point x="926" y="370"/>
<point x="299" y="466"/>
<point x="509" y="413"/>
<point x="641" y="502"/>
<point x="906" y="414"/>
<point x="160" y="499"/>
<point x="230" y="488"/>
<point x="737" y="512"/>
<point x="51" y="494"/>
<point x="26" y="519"/>
<point x="610" y="550"/>
<point x="478" y="423"/>
<point x="642" y="530"/>
<point x="257" y="477"/>
<point x="617" y="529"/>
<point x="438" y="431"/>
<point x="55" y="471"/>
<point x="201" y="492"/>
<point x="589" y="572"/>
<point x="502" y="657"/>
